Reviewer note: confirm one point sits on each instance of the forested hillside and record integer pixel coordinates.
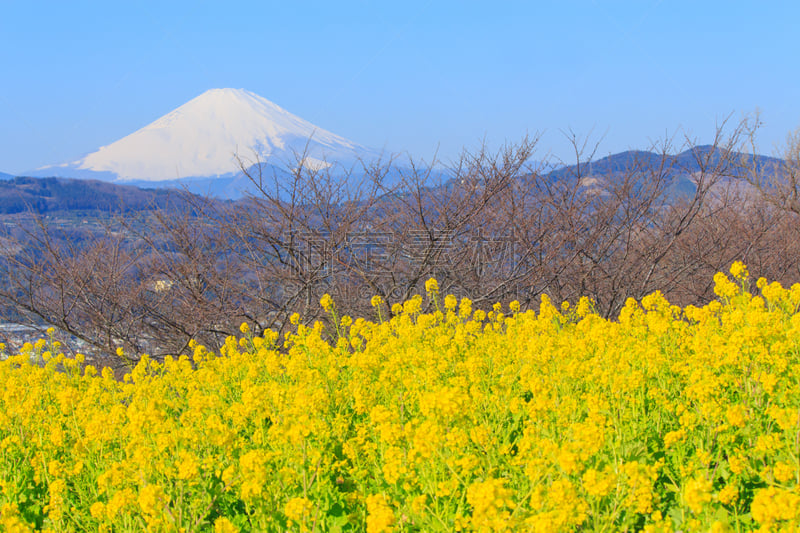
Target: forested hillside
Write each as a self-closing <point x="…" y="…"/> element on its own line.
<point x="45" y="195"/>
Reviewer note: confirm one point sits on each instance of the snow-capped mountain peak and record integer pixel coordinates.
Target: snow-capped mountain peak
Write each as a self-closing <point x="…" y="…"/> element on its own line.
<point x="202" y="137"/>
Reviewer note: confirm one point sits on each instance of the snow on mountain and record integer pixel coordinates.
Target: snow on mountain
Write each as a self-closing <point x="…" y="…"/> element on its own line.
<point x="201" y="138"/>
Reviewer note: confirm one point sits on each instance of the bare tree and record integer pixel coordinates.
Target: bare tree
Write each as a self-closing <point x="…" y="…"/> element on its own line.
<point x="492" y="226"/>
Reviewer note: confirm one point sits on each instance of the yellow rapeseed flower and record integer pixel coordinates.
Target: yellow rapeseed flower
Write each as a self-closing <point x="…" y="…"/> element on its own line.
<point x="380" y="516"/>
<point x="739" y="271"/>
<point x="431" y="286"/>
<point x="477" y="421"/>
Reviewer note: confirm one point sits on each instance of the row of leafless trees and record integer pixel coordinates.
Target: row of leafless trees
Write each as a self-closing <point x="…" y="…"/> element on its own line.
<point x="491" y="227"/>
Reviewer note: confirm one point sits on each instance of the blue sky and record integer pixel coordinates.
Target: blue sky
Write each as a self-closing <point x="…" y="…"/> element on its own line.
<point x="416" y="76"/>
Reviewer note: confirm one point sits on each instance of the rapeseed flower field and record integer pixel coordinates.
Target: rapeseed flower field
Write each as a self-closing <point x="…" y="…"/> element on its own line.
<point x="664" y="419"/>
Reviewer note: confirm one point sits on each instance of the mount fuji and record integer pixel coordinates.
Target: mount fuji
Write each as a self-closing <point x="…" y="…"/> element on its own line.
<point x="197" y="144"/>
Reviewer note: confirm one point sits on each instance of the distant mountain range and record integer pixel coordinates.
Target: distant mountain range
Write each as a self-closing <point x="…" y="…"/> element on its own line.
<point x="194" y="148"/>
<point x="54" y="194"/>
<point x="686" y="161"/>
<point x="197" y="144"/>
<point x="681" y="168"/>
